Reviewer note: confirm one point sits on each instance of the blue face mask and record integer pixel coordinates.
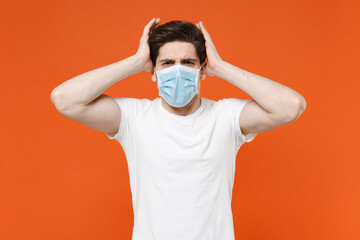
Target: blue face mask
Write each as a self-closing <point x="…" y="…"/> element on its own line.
<point x="178" y="84"/>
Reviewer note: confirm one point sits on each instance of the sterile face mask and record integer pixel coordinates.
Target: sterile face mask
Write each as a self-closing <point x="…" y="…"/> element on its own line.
<point x="178" y="84"/>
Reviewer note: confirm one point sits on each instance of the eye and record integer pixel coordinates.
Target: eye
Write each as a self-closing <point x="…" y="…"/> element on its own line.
<point x="188" y="62"/>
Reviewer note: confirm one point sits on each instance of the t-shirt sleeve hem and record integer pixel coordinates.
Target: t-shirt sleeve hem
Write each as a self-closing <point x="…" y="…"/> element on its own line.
<point x="119" y="133"/>
<point x="249" y="137"/>
<point x="114" y="137"/>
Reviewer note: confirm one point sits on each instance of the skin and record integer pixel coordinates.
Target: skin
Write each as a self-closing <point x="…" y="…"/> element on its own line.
<point x="273" y="104"/>
<point x="82" y="97"/>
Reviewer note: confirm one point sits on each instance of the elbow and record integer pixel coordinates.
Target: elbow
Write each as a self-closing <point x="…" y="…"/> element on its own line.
<point x="56" y="99"/>
<point x="54" y="94"/>
<point x="298" y="107"/>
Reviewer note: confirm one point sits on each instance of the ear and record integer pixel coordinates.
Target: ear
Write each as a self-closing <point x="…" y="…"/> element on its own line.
<point x="202" y="72"/>
<point x="153" y="75"/>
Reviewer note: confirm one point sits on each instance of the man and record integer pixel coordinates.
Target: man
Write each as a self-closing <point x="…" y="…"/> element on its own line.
<point x="180" y="148"/>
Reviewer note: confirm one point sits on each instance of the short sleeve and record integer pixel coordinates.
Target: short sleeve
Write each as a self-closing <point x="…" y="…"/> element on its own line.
<point x="131" y="109"/>
<point x="237" y="105"/>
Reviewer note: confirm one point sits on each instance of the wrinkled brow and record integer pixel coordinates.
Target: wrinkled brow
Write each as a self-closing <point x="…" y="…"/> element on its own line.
<point x="173" y="60"/>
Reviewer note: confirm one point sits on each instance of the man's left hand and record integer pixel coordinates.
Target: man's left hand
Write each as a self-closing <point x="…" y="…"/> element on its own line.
<point x="213" y="58"/>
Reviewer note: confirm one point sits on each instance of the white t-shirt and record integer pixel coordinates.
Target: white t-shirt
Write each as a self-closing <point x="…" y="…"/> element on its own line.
<point x="181" y="168"/>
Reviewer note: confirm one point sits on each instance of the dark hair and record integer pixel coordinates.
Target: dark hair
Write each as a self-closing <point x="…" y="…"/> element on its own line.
<point x="176" y="30"/>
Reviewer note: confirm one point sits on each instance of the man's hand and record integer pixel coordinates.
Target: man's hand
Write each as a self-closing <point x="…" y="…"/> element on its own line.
<point x="143" y="52"/>
<point x="213" y="58"/>
<point x="273" y="104"/>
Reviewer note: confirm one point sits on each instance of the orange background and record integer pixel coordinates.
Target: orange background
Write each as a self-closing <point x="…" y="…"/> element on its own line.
<point x="62" y="180"/>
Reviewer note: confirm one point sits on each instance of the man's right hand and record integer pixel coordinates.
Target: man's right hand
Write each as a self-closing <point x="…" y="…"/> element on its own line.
<point x="143" y="52"/>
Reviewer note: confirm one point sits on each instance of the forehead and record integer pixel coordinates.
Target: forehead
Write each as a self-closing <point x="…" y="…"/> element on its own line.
<point x="177" y="50"/>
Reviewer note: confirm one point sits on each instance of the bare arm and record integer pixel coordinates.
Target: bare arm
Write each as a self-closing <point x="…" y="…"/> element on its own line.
<point x="81" y="98"/>
<point x="277" y="99"/>
<point x="274" y="104"/>
<point x="83" y="89"/>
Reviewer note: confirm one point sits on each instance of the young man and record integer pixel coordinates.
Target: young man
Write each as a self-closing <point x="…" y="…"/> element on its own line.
<point x="180" y="148"/>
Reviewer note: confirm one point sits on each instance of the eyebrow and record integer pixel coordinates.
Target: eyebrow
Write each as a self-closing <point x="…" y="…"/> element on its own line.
<point x="172" y="60"/>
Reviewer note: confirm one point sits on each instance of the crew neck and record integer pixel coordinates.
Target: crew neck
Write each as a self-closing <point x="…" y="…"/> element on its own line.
<point x="174" y="115"/>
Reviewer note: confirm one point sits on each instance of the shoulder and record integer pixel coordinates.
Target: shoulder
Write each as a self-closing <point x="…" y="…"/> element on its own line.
<point x="235" y="105"/>
<point x="130" y="100"/>
<point x="208" y="102"/>
<point x="233" y="101"/>
<point x="127" y="102"/>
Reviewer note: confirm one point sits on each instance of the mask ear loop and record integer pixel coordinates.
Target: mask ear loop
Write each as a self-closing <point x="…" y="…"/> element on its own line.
<point x="200" y="68"/>
<point x="157" y="77"/>
<point x="202" y="64"/>
<point x="197" y="77"/>
<point x="155" y="71"/>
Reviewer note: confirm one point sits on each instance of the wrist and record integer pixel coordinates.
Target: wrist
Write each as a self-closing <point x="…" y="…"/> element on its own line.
<point x="220" y="70"/>
<point x="136" y="63"/>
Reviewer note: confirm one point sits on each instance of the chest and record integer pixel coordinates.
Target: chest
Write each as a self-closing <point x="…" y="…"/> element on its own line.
<point x="206" y="143"/>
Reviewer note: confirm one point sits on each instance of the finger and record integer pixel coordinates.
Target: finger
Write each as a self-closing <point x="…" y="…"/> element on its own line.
<point x="154" y="25"/>
<point x="203" y="28"/>
<point x="150" y="25"/>
<point x="146" y="29"/>
<point x="156" y="22"/>
<point x="206" y="34"/>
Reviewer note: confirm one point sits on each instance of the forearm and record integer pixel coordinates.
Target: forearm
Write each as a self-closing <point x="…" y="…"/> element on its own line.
<point x="272" y="96"/>
<point x="86" y="87"/>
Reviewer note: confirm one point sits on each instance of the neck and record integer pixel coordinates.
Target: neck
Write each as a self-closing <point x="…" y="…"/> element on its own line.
<point x="186" y="110"/>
